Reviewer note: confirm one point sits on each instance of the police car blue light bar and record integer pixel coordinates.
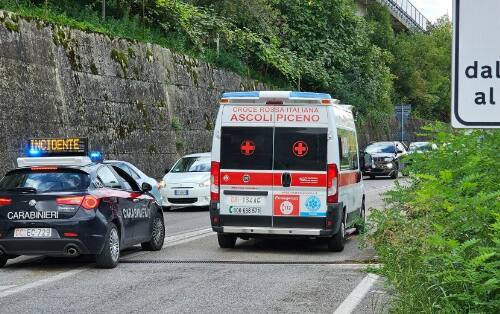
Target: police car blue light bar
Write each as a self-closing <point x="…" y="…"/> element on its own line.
<point x="96" y="156"/>
<point x="76" y="161"/>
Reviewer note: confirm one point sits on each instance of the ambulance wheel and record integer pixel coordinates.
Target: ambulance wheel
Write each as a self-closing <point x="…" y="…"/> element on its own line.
<point x="3" y="260"/>
<point x="157" y="235"/>
<point x="336" y="243"/>
<point x="110" y="254"/>
<point x="226" y="241"/>
<point x="360" y="227"/>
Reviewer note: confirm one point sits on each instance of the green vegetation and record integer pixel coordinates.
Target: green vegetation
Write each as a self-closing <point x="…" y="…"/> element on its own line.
<point x="175" y="123"/>
<point x="439" y="239"/>
<point x="292" y="44"/>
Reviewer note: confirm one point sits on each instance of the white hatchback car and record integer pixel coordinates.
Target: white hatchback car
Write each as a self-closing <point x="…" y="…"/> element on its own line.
<point x="188" y="182"/>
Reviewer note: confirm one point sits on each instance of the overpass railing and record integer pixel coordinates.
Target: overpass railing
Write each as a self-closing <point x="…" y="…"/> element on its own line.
<point x="407" y="14"/>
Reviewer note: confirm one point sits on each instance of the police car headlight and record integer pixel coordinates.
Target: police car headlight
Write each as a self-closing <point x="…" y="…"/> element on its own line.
<point x="388" y="159"/>
<point x="389" y="166"/>
<point x="205" y="184"/>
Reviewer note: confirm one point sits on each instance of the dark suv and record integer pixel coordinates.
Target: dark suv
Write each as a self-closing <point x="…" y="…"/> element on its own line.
<point x="383" y="159"/>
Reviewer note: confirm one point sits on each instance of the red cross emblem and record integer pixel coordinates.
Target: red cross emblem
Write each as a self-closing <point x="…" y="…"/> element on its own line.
<point x="300" y="148"/>
<point x="247" y="147"/>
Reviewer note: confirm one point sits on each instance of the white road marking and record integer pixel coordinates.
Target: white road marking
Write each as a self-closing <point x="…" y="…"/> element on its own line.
<point x="179" y="239"/>
<point x="357" y="295"/>
<point x="41" y="282"/>
<point x="6" y="287"/>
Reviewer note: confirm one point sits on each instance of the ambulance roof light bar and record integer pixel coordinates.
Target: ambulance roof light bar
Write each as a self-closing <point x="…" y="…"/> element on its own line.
<point x="77" y="161"/>
<point x="277" y="96"/>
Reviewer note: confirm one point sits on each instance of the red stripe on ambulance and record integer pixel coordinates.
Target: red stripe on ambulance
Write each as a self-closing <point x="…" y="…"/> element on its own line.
<point x="246" y="178"/>
<point x="348" y="178"/>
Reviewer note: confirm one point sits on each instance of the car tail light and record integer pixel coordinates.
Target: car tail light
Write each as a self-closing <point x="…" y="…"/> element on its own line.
<point x="332" y="183"/>
<point x="71" y="234"/>
<point x="88" y="202"/>
<point x="5" y="201"/>
<point x="70" y="200"/>
<point x="214" y="181"/>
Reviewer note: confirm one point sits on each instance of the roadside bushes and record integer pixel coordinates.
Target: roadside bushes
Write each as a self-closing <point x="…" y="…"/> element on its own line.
<point x="439" y="238"/>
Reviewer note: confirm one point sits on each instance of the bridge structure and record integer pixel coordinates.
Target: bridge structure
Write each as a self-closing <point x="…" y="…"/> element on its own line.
<point x="405" y="14"/>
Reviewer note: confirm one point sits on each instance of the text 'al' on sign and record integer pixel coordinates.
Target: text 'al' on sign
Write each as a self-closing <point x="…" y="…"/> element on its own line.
<point x="476" y="64"/>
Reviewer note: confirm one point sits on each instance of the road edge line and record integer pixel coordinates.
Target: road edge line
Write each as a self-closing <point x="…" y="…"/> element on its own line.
<point x="41" y="282"/>
<point x="357" y="295"/>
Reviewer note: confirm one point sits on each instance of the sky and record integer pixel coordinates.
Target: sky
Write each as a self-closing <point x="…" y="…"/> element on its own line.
<point x="433" y="9"/>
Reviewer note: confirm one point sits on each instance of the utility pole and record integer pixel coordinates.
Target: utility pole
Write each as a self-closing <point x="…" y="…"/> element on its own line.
<point x="217" y="41"/>
<point x="103" y="9"/>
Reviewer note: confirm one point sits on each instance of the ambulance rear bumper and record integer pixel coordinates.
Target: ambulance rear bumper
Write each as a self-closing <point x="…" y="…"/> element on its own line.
<point x="272" y="231"/>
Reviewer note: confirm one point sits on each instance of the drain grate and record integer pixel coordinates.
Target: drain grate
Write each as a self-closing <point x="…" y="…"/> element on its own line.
<point x="348" y="262"/>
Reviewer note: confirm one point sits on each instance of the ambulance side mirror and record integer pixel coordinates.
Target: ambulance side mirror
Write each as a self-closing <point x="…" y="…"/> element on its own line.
<point x="146" y="187"/>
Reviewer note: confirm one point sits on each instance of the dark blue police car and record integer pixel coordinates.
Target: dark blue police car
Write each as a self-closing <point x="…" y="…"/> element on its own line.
<point x="71" y="205"/>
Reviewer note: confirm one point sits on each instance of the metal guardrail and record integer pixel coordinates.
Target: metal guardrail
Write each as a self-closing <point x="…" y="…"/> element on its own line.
<point x="407" y="14"/>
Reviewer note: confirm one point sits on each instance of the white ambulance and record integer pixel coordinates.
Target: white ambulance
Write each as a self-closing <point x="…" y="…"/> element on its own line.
<point x="284" y="164"/>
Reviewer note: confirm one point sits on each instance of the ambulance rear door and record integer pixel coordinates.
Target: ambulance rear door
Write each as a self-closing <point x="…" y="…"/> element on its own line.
<point x="246" y="163"/>
<point x="300" y="167"/>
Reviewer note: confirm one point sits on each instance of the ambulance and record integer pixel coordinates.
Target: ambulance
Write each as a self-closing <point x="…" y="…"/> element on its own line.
<point x="285" y="164"/>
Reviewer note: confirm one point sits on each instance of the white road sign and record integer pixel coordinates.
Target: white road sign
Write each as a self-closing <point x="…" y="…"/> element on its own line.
<point x="476" y="64"/>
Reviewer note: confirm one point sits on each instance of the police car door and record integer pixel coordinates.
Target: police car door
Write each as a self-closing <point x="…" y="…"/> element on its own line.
<point x="116" y="194"/>
<point x="246" y="178"/>
<point x="300" y="167"/>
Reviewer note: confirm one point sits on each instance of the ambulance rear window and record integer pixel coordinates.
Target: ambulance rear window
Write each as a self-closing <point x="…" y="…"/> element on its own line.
<point x="300" y="149"/>
<point x="247" y="148"/>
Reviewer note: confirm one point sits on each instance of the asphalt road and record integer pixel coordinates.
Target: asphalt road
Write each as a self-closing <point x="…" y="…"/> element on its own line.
<point x="193" y="275"/>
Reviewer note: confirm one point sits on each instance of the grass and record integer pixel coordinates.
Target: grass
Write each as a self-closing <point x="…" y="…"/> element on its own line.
<point x="78" y="16"/>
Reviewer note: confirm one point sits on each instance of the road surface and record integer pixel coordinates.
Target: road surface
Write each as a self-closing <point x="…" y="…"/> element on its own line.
<point x="193" y="275"/>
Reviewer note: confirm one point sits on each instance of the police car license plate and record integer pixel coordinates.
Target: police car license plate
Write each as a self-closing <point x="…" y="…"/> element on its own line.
<point x="33" y="233"/>
<point x="181" y="192"/>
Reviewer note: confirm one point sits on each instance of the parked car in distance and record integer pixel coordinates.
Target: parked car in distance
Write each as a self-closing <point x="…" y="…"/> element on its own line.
<point x="383" y="159"/>
<point x="138" y="176"/>
<point x="421" y="147"/>
<point x="187" y="183"/>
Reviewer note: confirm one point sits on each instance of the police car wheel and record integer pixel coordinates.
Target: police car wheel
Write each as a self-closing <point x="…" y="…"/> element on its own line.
<point x="226" y="241"/>
<point x="157" y="235"/>
<point x="337" y="241"/>
<point x="3" y="260"/>
<point x="110" y="254"/>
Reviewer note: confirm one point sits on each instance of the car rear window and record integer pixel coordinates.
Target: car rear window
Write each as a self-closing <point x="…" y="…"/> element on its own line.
<point x="192" y="164"/>
<point x="300" y="149"/>
<point x="249" y="148"/>
<point x="46" y="181"/>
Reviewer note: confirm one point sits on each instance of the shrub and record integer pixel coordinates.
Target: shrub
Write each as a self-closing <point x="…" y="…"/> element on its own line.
<point x="439" y="238"/>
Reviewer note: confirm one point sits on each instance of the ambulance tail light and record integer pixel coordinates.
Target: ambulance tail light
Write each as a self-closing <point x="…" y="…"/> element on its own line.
<point x="214" y="181"/>
<point x="332" y="183"/>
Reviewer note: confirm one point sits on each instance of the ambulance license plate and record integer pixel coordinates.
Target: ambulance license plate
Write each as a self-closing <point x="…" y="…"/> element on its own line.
<point x="32" y="233"/>
<point x="246" y="200"/>
<point x="181" y="192"/>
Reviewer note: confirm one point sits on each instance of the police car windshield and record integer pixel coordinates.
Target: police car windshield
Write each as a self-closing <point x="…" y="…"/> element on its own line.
<point x="28" y="181"/>
<point x="381" y="148"/>
<point x="192" y="164"/>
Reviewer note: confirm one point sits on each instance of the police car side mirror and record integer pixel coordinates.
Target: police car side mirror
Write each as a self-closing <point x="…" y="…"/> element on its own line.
<point x="146" y="187"/>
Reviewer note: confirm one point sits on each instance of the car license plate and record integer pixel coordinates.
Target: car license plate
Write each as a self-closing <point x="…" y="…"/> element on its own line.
<point x="181" y="192"/>
<point x="32" y="233"/>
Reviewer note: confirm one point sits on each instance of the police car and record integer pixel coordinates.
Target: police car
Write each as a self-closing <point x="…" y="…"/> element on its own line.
<point x="59" y="201"/>
<point x="284" y="164"/>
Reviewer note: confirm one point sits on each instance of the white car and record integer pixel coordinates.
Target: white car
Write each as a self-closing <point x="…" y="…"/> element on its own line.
<point x="188" y="182"/>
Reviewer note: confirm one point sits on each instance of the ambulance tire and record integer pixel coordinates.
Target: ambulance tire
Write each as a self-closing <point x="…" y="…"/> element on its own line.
<point x="3" y="260"/>
<point x="360" y="227"/>
<point x="110" y="254"/>
<point x="226" y="241"/>
<point x="157" y="235"/>
<point x="337" y="241"/>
